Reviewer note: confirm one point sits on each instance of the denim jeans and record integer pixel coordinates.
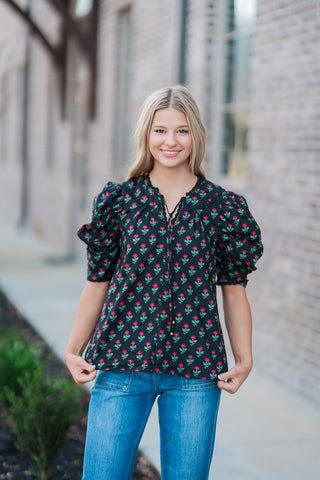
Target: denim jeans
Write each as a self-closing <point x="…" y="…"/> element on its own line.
<point x="119" y="408"/>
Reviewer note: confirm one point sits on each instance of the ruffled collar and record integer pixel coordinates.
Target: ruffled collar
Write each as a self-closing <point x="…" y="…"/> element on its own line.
<point x="156" y="190"/>
<point x="200" y="196"/>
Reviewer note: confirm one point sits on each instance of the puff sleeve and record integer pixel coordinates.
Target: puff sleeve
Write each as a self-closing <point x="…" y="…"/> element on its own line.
<point x="239" y="244"/>
<point x="102" y="234"/>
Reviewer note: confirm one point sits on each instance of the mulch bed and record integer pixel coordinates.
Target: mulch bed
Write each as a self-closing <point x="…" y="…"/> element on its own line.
<point x="17" y="465"/>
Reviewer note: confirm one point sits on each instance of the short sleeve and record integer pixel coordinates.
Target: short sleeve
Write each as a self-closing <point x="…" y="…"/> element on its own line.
<point x="239" y="244"/>
<point x="102" y="234"/>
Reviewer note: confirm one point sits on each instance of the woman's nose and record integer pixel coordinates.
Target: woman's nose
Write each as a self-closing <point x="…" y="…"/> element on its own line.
<point x="170" y="139"/>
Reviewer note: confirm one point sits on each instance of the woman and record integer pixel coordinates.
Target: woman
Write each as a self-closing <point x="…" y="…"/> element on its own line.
<point x="157" y="246"/>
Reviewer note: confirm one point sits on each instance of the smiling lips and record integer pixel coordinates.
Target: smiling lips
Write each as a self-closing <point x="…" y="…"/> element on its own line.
<point x="170" y="153"/>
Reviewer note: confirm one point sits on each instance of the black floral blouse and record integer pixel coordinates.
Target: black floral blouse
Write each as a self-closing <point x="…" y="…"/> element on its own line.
<point x="160" y="312"/>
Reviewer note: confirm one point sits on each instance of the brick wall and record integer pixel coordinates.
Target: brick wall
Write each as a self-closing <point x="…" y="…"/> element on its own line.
<point x="285" y="186"/>
<point x="48" y="189"/>
<point x="11" y="61"/>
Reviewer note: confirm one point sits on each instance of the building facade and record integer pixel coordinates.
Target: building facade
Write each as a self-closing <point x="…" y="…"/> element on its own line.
<point x="253" y="67"/>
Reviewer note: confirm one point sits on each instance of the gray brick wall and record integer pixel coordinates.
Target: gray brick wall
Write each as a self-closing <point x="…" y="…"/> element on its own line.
<point x="11" y="60"/>
<point x="285" y="187"/>
<point x="48" y="188"/>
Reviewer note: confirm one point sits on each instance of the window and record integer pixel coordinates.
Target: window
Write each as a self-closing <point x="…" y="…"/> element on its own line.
<point x="239" y="19"/>
<point x="182" y="58"/>
<point x="51" y="120"/>
<point x="123" y="70"/>
<point x="83" y="7"/>
<point x="80" y="130"/>
<point x="4" y="118"/>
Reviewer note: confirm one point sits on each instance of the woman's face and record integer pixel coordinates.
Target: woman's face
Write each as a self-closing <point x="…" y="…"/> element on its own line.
<point x="170" y="140"/>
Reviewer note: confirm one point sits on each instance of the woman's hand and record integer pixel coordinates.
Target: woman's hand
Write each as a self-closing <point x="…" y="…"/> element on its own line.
<point x="232" y="380"/>
<point x="81" y="370"/>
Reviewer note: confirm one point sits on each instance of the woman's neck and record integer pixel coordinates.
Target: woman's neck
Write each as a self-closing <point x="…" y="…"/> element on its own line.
<point x="172" y="181"/>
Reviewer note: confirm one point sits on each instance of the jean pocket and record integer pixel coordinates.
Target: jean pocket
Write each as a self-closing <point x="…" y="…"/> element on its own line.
<point x="196" y="383"/>
<point x="114" y="379"/>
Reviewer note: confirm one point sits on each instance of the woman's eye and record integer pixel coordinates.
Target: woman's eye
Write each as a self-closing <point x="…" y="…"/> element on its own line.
<point x="159" y="130"/>
<point x="183" y="131"/>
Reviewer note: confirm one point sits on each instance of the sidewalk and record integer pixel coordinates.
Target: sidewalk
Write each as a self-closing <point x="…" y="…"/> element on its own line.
<point x="264" y="432"/>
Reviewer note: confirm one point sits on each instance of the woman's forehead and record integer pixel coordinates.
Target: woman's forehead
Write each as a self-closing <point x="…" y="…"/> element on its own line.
<point x="171" y="116"/>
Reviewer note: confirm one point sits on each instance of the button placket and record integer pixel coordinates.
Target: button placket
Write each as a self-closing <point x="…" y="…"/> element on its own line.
<point x="170" y="221"/>
<point x="169" y="253"/>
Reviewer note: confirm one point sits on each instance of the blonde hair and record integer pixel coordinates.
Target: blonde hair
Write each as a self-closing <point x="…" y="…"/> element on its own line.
<point x="180" y="98"/>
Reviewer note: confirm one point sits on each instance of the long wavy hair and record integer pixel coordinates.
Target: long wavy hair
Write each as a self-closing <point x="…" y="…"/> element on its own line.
<point x="180" y="98"/>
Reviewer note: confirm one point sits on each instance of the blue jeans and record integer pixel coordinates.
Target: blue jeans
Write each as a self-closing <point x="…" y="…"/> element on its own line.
<point x="119" y="408"/>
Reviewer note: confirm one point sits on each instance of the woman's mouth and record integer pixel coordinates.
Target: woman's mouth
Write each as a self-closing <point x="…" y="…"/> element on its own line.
<point x="170" y="153"/>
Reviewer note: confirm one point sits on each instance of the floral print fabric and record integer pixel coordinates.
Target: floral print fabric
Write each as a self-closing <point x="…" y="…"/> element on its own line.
<point x="160" y="312"/>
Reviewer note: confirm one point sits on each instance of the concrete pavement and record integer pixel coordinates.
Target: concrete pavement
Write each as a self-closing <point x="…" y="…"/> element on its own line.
<point x="264" y="432"/>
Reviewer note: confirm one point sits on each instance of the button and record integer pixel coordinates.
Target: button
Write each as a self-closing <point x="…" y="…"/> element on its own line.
<point x="173" y="321"/>
<point x="171" y="333"/>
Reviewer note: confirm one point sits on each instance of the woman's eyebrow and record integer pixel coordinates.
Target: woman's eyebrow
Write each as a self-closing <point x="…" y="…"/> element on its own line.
<point x="161" y="126"/>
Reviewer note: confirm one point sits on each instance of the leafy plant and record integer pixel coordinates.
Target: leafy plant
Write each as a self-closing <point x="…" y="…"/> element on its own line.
<point x="41" y="414"/>
<point x="17" y="358"/>
<point x="40" y="407"/>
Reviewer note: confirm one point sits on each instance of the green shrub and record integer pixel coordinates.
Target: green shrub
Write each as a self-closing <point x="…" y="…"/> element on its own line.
<point x="41" y="414"/>
<point x="17" y="358"/>
<point x="40" y="407"/>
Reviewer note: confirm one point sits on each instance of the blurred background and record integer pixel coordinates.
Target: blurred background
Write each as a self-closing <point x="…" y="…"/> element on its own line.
<point x="73" y="75"/>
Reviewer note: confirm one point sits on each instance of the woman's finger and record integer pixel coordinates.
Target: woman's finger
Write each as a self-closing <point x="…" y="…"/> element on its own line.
<point x="81" y="371"/>
<point x="229" y="385"/>
<point x="85" y="377"/>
